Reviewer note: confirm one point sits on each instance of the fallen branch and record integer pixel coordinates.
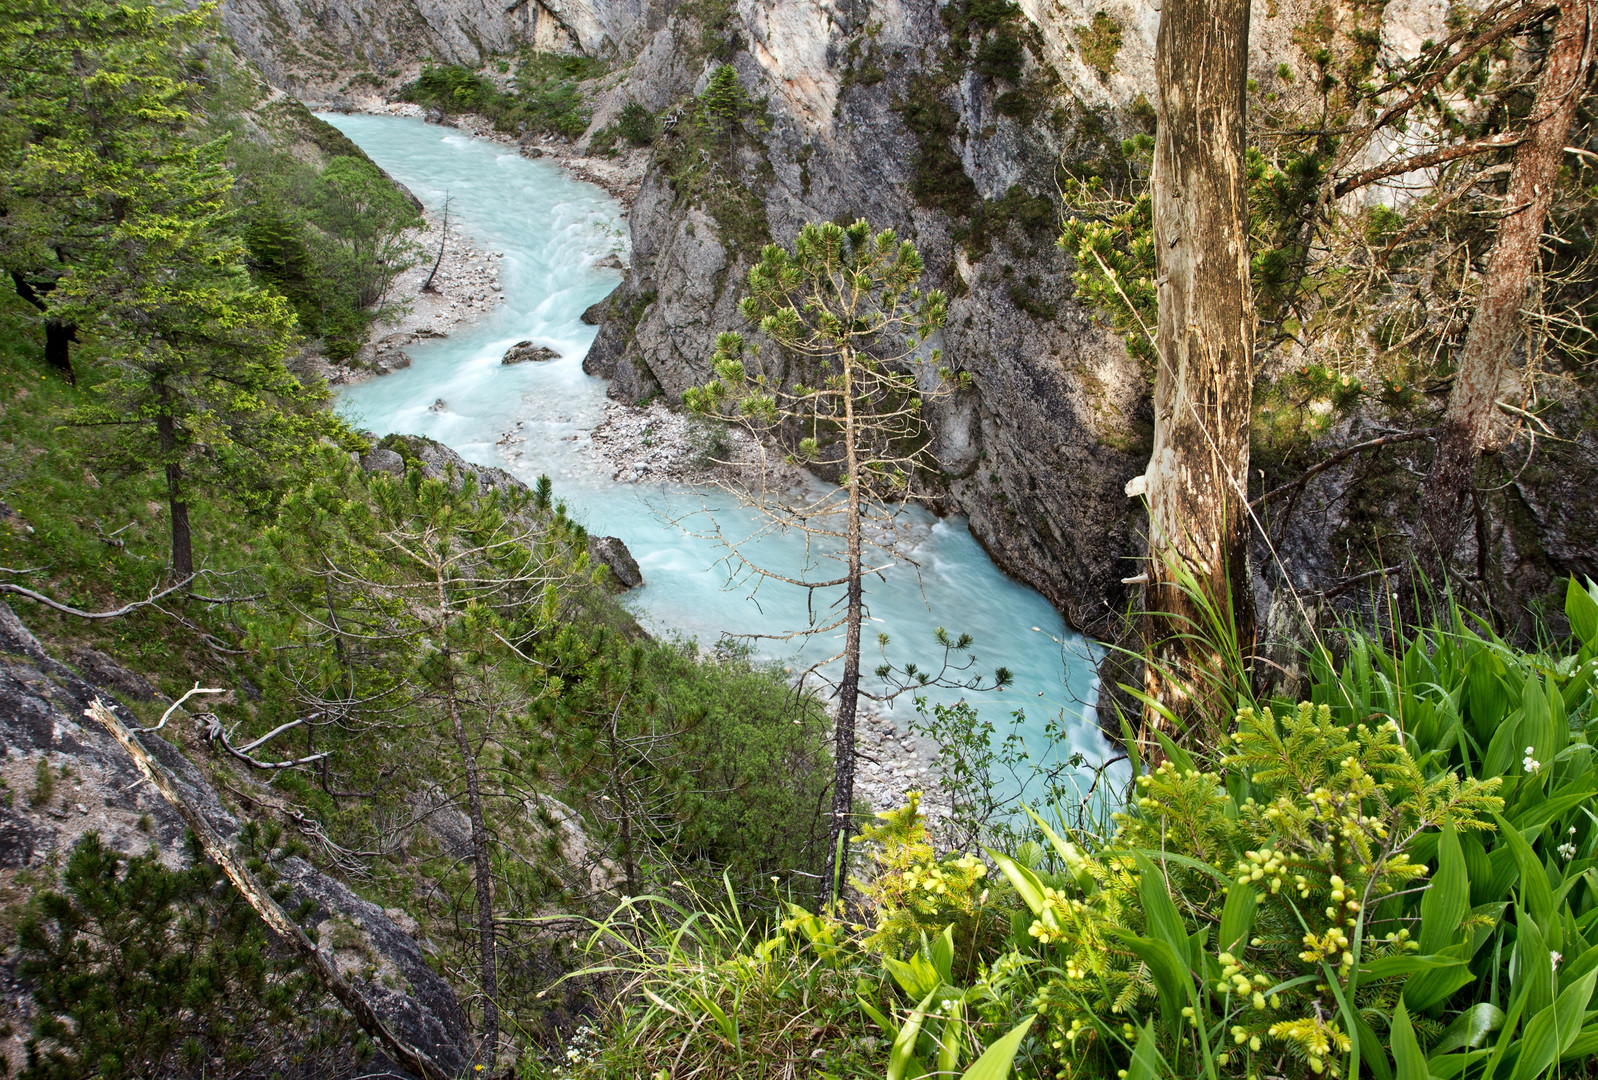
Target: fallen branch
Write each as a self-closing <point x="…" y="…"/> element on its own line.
<point x="215" y="733"/>
<point x="172" y="708"/>
<point x="40" y="598"/>
<point x="222" y="853"/>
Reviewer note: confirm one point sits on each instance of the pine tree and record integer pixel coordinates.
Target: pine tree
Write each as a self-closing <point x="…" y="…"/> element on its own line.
<point x="850" y="321"/>
<point x="111" y="176"/>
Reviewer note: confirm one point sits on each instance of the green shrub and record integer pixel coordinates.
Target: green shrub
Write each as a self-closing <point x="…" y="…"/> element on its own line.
<point x="637" y="124"/>
<point x="141" y="971"/>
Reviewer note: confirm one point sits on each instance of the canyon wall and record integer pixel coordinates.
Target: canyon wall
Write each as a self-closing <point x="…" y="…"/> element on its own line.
<point x="954" y="124"/>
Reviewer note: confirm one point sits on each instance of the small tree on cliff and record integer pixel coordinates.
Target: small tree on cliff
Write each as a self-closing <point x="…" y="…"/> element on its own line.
<point x="850" y="322"/>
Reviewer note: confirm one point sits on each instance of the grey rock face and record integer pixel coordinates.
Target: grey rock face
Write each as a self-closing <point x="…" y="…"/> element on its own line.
<point x="1038" y="451"/>
<point x="41" y="715"/>
<point x="614" y="554"/>
<point x="525" y="351"/>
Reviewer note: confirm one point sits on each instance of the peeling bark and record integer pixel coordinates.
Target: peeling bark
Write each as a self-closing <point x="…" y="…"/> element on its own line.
<point x="1198" y="474"/>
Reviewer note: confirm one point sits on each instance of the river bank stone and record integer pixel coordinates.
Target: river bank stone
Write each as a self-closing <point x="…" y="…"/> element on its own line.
<point x="524" y="351"/>
<point x="614" y="554"/>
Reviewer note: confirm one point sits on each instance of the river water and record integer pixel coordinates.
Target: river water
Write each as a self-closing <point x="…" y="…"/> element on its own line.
<point x="552" y="231"/>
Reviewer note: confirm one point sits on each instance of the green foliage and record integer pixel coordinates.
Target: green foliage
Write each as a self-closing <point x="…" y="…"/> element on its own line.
<point x="43" y="783"/>
<point x="142" y="971"/>
<point x="940" y="179"/>
<point x="547" y="96"/>
<point x="1392" y="878"/>
<point x="331" y="241"/>
<point x="1112" y="241"/>
<point x="841" y="298"/>
<point x="114" y="177"/>
<point x="703" y="157"/>
<point x="636" y="126"/>
<point x="720" y="108"/>
<point x="1099" y="42"/>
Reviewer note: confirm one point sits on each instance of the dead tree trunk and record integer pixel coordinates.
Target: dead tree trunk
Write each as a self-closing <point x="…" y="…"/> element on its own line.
<point x="1198" y="473"/>
<point x="222" y="853"/>
<point x="1468" y="421"/>
<point x="843" y="743"/>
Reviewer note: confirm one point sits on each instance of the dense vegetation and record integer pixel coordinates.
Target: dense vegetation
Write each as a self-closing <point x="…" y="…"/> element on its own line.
<point x="179" y="458"/>
<point x="543" y="94"/>
<point x="1387" y="867"/>
<point x="1391" y="878"/>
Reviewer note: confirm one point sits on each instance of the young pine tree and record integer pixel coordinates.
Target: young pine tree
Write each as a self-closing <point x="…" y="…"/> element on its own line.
<point x="849" y="322"/>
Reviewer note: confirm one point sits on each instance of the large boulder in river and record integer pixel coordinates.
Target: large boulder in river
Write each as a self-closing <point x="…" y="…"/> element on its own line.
<point x="524" y="351"/>
<point x="614" y="554"/>
<point x="42" y="702"/>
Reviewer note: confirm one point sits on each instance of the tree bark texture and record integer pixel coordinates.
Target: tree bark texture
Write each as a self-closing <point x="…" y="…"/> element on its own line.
<point x="1198" y="472"/>
<point x="182" y="541"/>
<point x="843" y="751"/>
<point x="1468" y="420"/>
<point x="221" y="852"/>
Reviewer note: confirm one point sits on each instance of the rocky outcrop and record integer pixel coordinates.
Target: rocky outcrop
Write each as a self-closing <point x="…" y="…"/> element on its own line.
<point x="41" y="716"/>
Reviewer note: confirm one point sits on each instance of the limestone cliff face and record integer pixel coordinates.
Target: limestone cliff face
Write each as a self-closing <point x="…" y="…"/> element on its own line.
<point x="313" y="50"/>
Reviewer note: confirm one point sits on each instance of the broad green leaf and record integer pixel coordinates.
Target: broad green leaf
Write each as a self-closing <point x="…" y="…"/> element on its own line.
<point x="994" y="1064"/>
<point x="1164" y="921"/>
<point x="904" y="1043"/>
<point x="1145" y="1056"/>
<point x="1068" y="852"/>
<point x="1371" y="1055"/>
<point x="1551" y="1031"/>
<point x="1409" y="1062"/>
<point x="1582" y="611"/>
<point x="1027" y="884"/>
<point x="1470" y="1028"/>
<point x="942" y="954"/>
<point x="1535" y="892"/>
<point x="878" y="1017"/>
<point x="1436" y="984"/>
<point x="1237" y="917"/>
<point x="1386" y="967"/>
<point x="1506" y="748"/>
<point x="1531" y="965"/>
<point x="1447" y="897"/>
<point x="1171" y="976"/>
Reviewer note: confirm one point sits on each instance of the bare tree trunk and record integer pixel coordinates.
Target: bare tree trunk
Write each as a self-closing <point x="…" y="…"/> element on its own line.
<point x="482" y="866"/>
<point x="182" y="542"/>
<point x="483" y="878"/>
<point x="843" y="756"/>
<point x="629" y="864"/>
<point x="1198" y="473"/>
<point x="222" y="853"/>
<point x="443" y="235"/>
<point x="1467" y="427"/>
